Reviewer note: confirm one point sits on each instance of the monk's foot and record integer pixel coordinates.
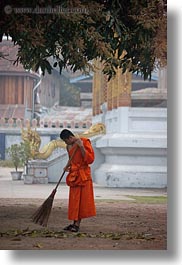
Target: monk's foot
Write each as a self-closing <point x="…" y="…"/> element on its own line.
<point x="68" y="227"/>
<point x="75" y="228"/>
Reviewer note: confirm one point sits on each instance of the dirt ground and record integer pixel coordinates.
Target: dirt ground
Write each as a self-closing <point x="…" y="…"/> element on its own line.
<point x="119" y="225"/>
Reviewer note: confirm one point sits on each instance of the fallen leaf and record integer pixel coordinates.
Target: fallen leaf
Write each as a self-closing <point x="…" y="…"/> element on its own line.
<point x="38" y="245"/>
<point x="16" y="239"/>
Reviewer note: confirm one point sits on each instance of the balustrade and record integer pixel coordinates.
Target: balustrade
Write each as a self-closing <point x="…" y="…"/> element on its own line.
<point x="71" y="124"/>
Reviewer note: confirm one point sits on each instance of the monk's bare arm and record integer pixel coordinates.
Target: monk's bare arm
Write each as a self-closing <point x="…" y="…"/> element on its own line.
<point x="81" y="146"/>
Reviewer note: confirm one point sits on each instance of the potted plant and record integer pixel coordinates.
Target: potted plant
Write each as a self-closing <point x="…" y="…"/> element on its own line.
<point x="15" y="154"/>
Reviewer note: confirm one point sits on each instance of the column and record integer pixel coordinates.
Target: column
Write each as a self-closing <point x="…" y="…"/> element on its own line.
<point x="94" y="95"/>
<point x="98" y="88"/>
<point x="109" y="95"/>
<point x="162" y="79"/>
<point x="124" y="88"/>
<point x="115" y="91"/>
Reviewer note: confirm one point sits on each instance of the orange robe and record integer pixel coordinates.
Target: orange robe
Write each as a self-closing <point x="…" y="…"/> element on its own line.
<point x="81" y="196"/>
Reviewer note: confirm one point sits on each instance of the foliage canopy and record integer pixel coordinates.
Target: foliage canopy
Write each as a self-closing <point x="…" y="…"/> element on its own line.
<point x="130" y="34"/>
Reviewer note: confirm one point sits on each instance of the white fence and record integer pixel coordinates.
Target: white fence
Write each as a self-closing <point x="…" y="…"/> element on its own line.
<point x="73" y="124"/>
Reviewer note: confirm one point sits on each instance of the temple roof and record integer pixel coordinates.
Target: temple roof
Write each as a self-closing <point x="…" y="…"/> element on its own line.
<point x="8" y="55"/>
<point x="61" y="113"/>
<point x="12" y="111"/>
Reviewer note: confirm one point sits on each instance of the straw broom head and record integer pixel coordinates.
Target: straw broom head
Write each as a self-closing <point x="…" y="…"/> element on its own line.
<point x="41" y="216"/>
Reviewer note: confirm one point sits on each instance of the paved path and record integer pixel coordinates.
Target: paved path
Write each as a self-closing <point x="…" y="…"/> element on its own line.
<point x="17" y="189"/>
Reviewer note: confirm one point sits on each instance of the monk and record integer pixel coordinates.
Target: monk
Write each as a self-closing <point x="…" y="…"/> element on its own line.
<point x="81" y="197"/>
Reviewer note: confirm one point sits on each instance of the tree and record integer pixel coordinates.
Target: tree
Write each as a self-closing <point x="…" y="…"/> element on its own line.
<point x="120" y="33"/>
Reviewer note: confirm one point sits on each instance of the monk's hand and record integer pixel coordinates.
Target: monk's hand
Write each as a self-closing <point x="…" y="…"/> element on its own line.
<point x="67" y="168"/>
<point x="79" y="142"/>
<point x="81" y="146"/>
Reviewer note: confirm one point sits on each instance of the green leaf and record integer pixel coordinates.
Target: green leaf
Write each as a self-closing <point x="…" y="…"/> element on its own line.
<point x="76" y="39"/>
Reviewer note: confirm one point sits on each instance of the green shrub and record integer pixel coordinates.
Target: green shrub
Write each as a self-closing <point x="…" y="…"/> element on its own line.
<point x="15" y="154"/>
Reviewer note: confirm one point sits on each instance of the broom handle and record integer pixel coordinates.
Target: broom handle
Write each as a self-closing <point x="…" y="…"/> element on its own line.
<point x="69" y="161"/>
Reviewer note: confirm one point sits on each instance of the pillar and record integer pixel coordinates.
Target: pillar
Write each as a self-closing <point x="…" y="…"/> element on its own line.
<point x="98" y="88"/>
<point x="124" y="88"/>
<point x="116" y="92"/>
<point x="162" y="79"/>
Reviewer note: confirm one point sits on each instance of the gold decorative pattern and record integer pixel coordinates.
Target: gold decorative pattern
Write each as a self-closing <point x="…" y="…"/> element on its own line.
<point x="34" y="139"/>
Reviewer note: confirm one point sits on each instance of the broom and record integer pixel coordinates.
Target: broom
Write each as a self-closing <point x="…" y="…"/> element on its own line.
<point x="42" y="214"/>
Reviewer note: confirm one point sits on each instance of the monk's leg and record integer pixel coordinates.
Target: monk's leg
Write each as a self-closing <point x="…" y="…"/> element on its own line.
<point x="77" y="222"/>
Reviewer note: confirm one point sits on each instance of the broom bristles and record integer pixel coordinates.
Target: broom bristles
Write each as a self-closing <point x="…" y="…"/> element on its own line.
<point x="41" y="216"/>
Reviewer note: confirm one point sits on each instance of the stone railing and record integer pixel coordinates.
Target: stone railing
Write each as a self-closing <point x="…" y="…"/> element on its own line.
<point x="73" y="124"/>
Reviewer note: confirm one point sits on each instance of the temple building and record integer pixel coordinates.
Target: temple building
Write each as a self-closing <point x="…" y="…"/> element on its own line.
<point x="132" y="151"/>
<point x="17" y="86"/>
<point x="134" y="148"/>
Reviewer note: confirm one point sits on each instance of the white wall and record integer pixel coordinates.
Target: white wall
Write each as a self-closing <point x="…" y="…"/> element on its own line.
<point x="134" y="148"/>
